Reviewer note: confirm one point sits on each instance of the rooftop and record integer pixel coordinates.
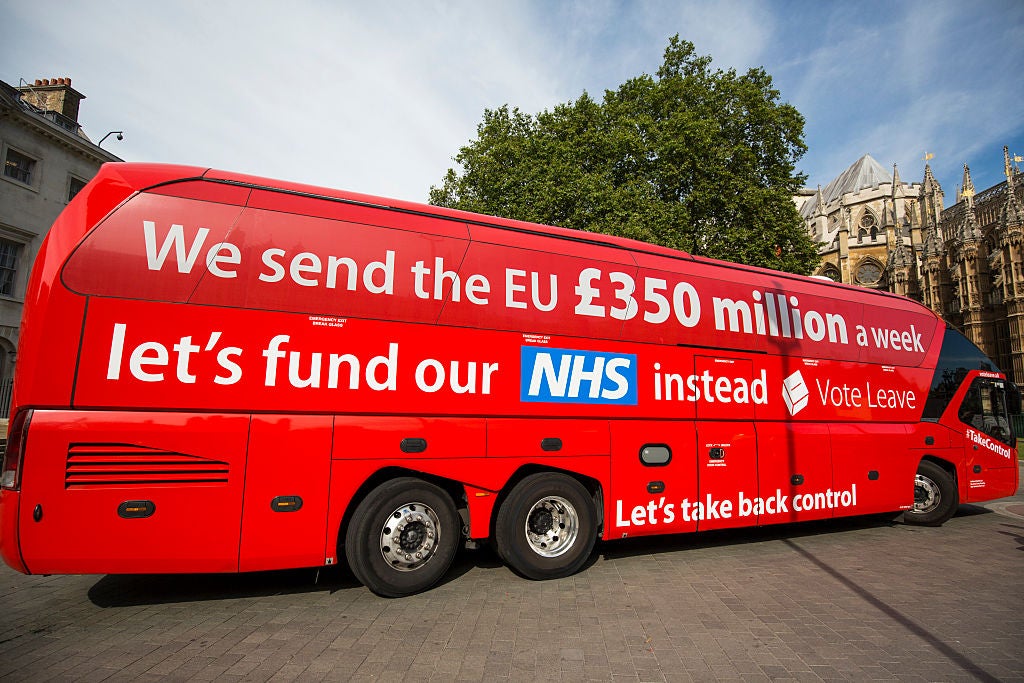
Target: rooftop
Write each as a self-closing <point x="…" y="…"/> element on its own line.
<point x="864" y="173"/>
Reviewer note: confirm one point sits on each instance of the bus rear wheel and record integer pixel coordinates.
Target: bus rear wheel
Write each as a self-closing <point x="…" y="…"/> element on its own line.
<point x="935" y="496"/>
<point x="547" y="526"/>
<point x="402" y="537"/>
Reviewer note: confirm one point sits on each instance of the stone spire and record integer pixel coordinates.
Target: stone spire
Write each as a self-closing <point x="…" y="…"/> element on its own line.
<point x="966" y="187"/>
<point x="970" y="232"/>
<point x="932" y="198"/>
<point x="1013" y="212"/>
<point x="931" y="208"/>
<point x="820" y="201"/>
<point x="897" y="184"/>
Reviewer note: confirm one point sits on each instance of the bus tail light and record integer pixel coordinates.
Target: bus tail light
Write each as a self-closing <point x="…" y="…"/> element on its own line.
<point x="11" y="477"/>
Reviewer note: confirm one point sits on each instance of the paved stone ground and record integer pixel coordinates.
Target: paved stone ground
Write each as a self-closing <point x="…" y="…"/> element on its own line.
<point x="849" y="600"/>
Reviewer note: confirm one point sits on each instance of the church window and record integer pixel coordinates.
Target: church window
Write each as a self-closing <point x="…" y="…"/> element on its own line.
<point x="869" y="273"/>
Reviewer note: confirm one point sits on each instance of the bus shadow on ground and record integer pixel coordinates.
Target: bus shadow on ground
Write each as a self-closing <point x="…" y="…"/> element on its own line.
<point x="126" y="590"/>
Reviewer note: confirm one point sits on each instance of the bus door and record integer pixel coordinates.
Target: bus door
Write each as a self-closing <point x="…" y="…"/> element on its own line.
<point x="728" y="494"/>
<point x="989" y="443"/>
<point x="287" y="489"/>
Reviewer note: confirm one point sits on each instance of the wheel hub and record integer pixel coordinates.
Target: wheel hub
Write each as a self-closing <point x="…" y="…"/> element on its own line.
<point x="926" y="494"/>
<point x="541" y="521"/>
<point x="552" y="526"/>
<point x="412" y="536"/>
<point x="409" y="536"/>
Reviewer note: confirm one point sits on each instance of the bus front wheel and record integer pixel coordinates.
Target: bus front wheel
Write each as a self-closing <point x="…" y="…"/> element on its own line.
<point x="402" y="537"/>
<point x="935" y="496"/>
<point x="547" y="526"/>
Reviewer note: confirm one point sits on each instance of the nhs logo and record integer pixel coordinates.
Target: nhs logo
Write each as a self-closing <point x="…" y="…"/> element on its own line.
<point x="570" y="376"/>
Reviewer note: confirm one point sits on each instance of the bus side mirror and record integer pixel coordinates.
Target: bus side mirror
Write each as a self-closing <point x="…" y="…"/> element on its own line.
<point x="1012" y="398"/>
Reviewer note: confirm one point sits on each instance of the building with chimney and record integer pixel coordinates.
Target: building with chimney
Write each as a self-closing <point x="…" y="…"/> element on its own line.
<point x="47" y="159"/>
<point x="964" y="262"/>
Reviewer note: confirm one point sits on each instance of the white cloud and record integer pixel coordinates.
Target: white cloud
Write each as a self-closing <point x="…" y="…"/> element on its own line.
<point x="378" y="98"/>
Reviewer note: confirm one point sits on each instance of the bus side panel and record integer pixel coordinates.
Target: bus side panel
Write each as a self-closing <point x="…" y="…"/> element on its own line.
<point x="654" y="478"/>
<point x="727" y="489"/>
<point x="991" y="466"/>
<point x="873" y="468"/>
<point x="518" y="438"/>
<point x="120" y="492"/>
<point x="795" y="458"/>
<point x="287" y="482"/>
<point x="46" y="361"/>
<point x="408" y="438"/>
<point x="10" y="551"/>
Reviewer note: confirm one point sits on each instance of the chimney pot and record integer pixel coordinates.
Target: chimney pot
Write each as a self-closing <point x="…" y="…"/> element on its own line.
<point x="62" y="99"/>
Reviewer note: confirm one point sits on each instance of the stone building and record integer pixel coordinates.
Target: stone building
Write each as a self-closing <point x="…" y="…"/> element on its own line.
<point x="47" y="159"/>
<point x="964" y="261"/>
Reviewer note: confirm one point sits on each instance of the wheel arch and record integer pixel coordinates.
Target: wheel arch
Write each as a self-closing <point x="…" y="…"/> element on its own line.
<point x="591" y="484"/>
<point x="951" y="468"/>
<point x="453" y="488"/>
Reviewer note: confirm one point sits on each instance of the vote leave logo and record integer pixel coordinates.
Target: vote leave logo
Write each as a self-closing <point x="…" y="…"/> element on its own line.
<point x="795" y="392"/>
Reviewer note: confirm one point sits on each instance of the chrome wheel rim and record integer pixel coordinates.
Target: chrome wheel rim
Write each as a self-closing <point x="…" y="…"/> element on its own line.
<point x="926" y="494"/>
<point x="552" y="526"/>
<point x="409" y="537"/>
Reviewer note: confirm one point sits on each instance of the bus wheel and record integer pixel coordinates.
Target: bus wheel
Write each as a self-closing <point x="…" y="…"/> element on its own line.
<point x="546" y="527"/>
<point x="935" y="496"/>
<point x="402" y="537"/>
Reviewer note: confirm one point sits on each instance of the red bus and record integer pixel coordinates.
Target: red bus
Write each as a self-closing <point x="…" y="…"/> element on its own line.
<point x="222" y="373"/>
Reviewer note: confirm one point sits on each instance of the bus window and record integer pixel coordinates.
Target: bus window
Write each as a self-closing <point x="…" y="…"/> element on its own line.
<point x="959" y="356"/>
<point x="985" y="409"/>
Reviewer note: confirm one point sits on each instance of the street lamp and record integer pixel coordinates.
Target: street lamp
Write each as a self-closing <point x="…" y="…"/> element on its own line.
<point x="119" y="133"/>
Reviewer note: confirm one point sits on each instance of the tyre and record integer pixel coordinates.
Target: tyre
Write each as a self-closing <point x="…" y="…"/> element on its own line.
<point x="402" y="537"/>
<point x="547" y="526"/>
<point x="935" y="496"/>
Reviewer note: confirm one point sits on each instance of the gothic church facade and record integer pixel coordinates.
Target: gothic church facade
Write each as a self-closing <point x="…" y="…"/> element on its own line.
<point x="965" y="262"/>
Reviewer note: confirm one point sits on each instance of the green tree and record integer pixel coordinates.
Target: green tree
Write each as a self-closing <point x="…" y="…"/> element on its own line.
<point x="693" y="158"/>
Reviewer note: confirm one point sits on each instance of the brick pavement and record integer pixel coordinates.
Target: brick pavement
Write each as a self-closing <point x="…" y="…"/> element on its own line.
<point x="848" y="600"/>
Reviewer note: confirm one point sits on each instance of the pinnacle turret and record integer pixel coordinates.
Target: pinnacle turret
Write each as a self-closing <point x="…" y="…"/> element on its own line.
<point x="1013" y="212"/>
<point x="966" y="187"/>
<point x="897" y="184"/>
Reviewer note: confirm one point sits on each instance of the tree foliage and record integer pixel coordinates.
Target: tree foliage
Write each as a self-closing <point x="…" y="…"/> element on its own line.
<point x="693" y="158"/>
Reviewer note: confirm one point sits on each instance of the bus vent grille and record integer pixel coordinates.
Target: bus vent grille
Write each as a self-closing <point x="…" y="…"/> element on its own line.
<point x="118" y="464"/>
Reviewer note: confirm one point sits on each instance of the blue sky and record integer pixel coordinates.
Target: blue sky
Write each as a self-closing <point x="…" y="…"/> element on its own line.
<point x="379" y="99"/>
